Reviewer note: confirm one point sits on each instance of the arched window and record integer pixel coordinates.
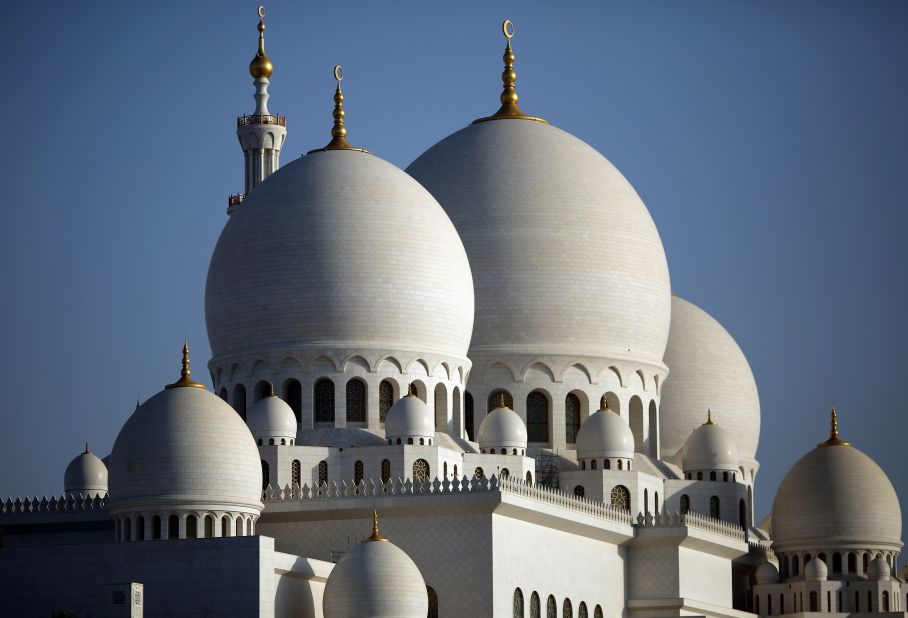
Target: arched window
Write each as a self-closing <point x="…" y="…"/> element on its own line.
<point x="581" y="611"/>
<point x="712" y="476"/>
<point x="455" y="471"/>
<point x="421" y="470"/>
<point x="571" y="417"/>
<point x="593" y="464"/>
<point x="322" y="472"/>
<point x="385" y="470"/>
<point x="239" y="400"/>
<point x="409" y="440"/>
<point x="685" y="504"/>
<point x="357" y="473"/>
<point x="579" y="491"/>
<point x="621" y="498"/>
<point x="885" y="601"/>
<point x="356" y="401"/>
<point x="646" y="501"/>
<point x="271" y="442"/>
<point x="293" y="393"/>
<point x="495" y="397"/>
<point x="725" y="477"/>
<point x="795" y="566"/>
<point x="607" y="464"/>
<point x="433" y="602"/>
<point x="478" y="473"/>
<point x="814" y="601"/>
<point x="656" y="503"/>
<point x="529" y="478"/>
<point x="385" y="399"/>
<point x="653" y="439"/>
<point x="597" y="613"/>
<point x="870" y="601"/>
<point x="140" y="528"/>
<point x="714" y="507"/>
<point x="192" y="527"/>
<point x="223" y="394"/>
<point x="323" y="397"/>
<point x="156" y="527"/>
<point x="852" y="562"/>
<point x="836" y="562"/>
<point x="225" y="526"/>
<point x="567" y="610"/>
<point x="636" y="423"/>
<point x="173" y="527"/>
<point x="551" y="608"/>
<point x="699" y="476"/>
<point x="239" y="526"/>
<point x="518" y="603"/>
<point x="534" y="605"/>
<point x="742" y="518"/>
<point x="209" y="526"/>
<point x="295" y="475"/>
<point x="537" y="417"/>
<point x="620" y="465"/>
<point x="505" y="473"/>
<point x="445" y="469"/>
<point x="260" y="390"/>
<point x="266" y="475"/>
<point x="468" y="415"/>
<point x="441" y="407"/>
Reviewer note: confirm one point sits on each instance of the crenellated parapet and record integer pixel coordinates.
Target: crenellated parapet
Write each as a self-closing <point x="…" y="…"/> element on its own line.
<point x="54" y="504"/>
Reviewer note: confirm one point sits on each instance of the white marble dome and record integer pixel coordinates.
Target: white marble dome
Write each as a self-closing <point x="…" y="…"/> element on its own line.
<point x="603" y="435"/>
<point x="339" y="249"/>
<point x="271" y="418"/>
<point x="710" y="447"/>
<point x="878" y="569"/>
<point x="707" y="370"/>
<point x="185" y="448"/>
<point x="502" y="428"/>
<point x="834" y="495"/>
<point x="376" y="579"/>
<point x="766" y="573"/>
<point x="567" y="258"/>
<point x="409" y="417"/>
<point x="816" y="570"/>
<point x="86" y="475"/>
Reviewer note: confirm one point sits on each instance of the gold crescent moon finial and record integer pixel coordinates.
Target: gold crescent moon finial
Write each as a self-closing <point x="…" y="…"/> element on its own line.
<point x="261" y="11"/>
<point x="339" y="73"/>
<point x="508" y="28"/>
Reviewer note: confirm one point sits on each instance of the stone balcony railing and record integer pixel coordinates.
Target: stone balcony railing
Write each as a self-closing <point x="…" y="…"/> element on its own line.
<point x="667" y="519"/>
<point x="54" y="504"/>
<point x="244" y="120"/>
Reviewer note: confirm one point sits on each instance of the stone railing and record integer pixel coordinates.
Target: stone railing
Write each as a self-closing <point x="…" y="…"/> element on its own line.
<point x="54" y="504"/>
<point x="409" y="487"/>
<point x="667" y="519"/>
<point x="763" y="550"/>
<point x="244" y="120"/>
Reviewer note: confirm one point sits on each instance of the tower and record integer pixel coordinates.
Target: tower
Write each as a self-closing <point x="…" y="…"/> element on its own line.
<point x="262" y="133"/>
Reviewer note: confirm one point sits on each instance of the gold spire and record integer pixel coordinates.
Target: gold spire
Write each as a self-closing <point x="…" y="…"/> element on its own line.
<point x="411" y="390"/>
<point x="87" y="450"/>
<point x="501" y="400"/>
<point x="185" y="375"/>
<point x="509" y="98"/>
<point x="375" y="534"/>
<point x="339" y="131"/>
<point x="709" y="417"/>
<point x="834" y="439"/>
<point x="603" y="403"/>
<point x="261" y="65"/>
<point x="271" y="390"/>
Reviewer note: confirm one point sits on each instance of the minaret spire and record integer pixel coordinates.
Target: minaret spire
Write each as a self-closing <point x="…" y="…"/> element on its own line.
<point x="339" y="131"/>
<point x="262" y="133"/>
<point x="834" y="439"/>
<point x="509" y="98"/>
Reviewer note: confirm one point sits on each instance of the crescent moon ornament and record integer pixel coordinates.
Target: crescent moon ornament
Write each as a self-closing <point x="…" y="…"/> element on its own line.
<point x="261" y="11"/>
<point x="508" y="28"/>
<point x="339" y="73"/>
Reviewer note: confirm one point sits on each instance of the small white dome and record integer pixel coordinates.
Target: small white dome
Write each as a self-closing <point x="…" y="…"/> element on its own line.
<point x="766" y="573"/>
<point x="836" y="494"/>
<point x="376" y="579"/>
<point x="816" y="570"/>
<point x="185" y="448"/>
<point x="878" y="569"/>
<point x="409" y="418"/>
<point x="271" y="417"/>
<point x="710" y="447"/>
<point x="502" y="428"/>
<point x="708" y="369"/>
<point x="86" y="474"/>
<point x="605" y="434"/>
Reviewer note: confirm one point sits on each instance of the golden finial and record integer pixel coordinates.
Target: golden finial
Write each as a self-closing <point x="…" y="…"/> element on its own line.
<point x="339" y="131"/>
<point x="709" y="417"/>
<point x="375" y="534"/>
<point x="834" y="439"/>
<point x="271" y="389"/>
<point x="603" y="403"/>
<point x="87" y="450"/>
<point x="185" y="374"/>
<point x="261" y="65"/>
<point x="501" y="400"/>
<point x="411" y="389"/>
<point x="509" y="98"/>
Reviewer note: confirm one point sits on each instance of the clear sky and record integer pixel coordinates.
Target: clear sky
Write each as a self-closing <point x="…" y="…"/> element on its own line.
<point x="768" y="140"/>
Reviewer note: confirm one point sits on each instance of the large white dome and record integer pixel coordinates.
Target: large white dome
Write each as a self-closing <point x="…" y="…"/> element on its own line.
<point x="708" y="370"/>
<point x="835" y="495"/>
<point x="185" y="448"/>
<point x="339" y="249"/>
<point x="566" y="257"/>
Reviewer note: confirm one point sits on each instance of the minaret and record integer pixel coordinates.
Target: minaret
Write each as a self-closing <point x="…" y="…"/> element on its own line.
<point x="262" y="133"/>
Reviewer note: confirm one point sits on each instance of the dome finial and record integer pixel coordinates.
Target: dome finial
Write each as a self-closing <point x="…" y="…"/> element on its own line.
<point x="603" y="403"/>
<point x="87" y="450"/>
<point x="375" y="534"/>
<point x="339" y="131"/>
<point x="261" y="65"/>
<point x="271" y="389"/>
<point x="834" y="439"/>
<point x="501" y="403"/>
<point x="185" y="374"/>
<point x="709" y="417"/>
<point x="509" y="98"/>
<point x="411" y="389"/>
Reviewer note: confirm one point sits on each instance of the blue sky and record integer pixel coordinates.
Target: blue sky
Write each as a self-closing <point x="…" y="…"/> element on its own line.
<point x="767" y="139"/>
